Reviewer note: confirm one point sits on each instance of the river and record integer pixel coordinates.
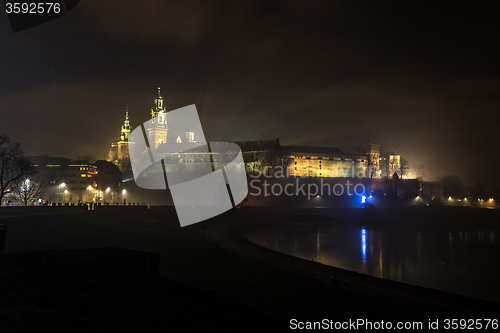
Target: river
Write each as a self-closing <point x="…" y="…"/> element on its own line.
<point x="460" y="258"/>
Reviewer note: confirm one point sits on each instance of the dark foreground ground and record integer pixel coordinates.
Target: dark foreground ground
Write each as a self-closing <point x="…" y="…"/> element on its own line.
<point x="211" y="279"/>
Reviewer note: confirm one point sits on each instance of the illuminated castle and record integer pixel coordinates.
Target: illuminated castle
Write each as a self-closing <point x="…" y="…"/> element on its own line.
<point x="159" y="134"/>
<point x="266" y="156"/>
<point x="259" y="156"/>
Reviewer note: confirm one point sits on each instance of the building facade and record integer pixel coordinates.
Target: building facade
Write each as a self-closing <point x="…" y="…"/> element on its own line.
<point x="66" y="180"/>
<point x="269" y="156"/>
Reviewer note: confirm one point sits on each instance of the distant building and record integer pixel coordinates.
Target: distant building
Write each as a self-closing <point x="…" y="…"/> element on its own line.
<point x="66" y="180"/>
<point x="260" y="156"/>
<point x="372" y="153"/>
<point x="264" y="156"/>
<point x="390" y="164"/>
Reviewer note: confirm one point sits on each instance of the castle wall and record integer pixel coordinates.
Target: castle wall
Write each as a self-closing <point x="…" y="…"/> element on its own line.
<point x="326" y="167"/>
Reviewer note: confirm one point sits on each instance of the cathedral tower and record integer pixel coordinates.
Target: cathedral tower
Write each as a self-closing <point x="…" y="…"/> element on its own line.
<point x="124" y="145"/>
<point x="158" y="133"/>
<point x="119" y="152"/>
<point x="125" y="128"/>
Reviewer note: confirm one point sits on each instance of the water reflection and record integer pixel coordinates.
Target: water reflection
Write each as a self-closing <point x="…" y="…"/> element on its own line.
<point x="459" y="261"/>
<point x="363" y="244"/>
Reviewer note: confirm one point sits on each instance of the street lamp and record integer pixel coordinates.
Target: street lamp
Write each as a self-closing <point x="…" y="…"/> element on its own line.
<point x="26" y="185"/>
<point x="24" y="191"/>
<point x="89" y="196"/>
<point x="108" y="190"/>
<point x="61" y="186"/>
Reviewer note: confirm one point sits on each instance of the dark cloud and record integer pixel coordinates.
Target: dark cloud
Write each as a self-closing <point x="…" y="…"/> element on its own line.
<point x="420" y="78"/>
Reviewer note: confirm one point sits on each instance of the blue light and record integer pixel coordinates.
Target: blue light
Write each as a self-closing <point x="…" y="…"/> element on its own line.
<point x="363" y="199"/>
<point x="363" y="244"/>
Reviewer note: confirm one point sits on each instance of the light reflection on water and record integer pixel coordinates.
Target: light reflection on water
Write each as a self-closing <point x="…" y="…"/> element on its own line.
<point x="363" y="244"/>
<point x="464" y="262"/>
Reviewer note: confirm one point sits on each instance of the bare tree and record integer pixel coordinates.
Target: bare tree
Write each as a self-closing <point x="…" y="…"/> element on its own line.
<point x="404" y="167"/>
<point x="27" y="190"/>
<point x="13" y="166"/>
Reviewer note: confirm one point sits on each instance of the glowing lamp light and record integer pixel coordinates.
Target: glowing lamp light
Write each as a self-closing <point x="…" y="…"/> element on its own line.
<point x="108" y="189"/>
<point x="124" y="191"/>
<point x="449" y="198"/>
<point x="65" y="191"/>
<point x="63" y="185"/>
<point x="89" y="188"/>
<point x="363" y="199"/>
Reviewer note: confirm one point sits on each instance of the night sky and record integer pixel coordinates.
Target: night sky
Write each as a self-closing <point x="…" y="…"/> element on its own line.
<point x="418" y="78"/>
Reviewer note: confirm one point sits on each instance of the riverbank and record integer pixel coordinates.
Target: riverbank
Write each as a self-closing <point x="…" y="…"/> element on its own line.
<point x="225" y="277"/>
<point x="410" y="300"/>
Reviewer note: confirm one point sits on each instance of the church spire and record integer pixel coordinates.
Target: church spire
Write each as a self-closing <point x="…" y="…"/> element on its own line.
<point x="158" y="112"/>
<point x="125" y="128"/>
<point x="158" y="104"/>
